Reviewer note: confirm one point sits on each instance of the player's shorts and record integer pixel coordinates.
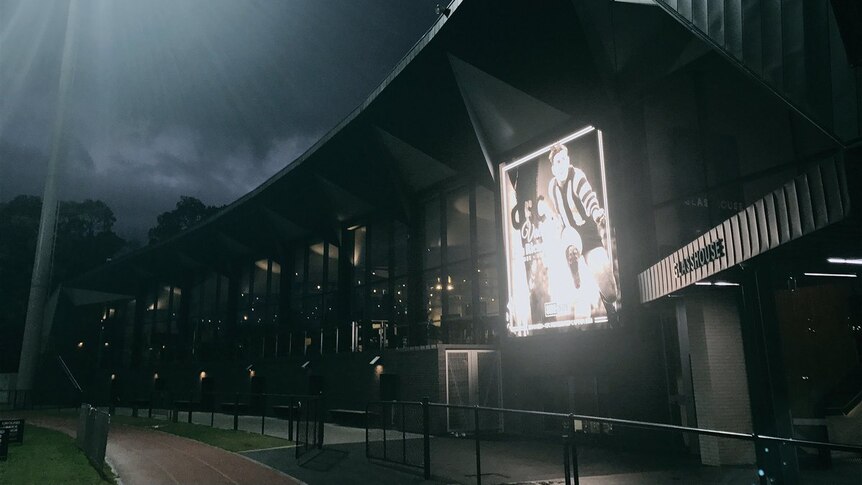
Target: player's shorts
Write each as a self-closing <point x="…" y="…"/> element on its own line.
<point x="590" y="237"/>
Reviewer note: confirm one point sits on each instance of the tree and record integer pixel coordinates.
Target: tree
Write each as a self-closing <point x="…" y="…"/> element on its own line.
<point x="188" y="212"/>
<point x="85" y="239"/>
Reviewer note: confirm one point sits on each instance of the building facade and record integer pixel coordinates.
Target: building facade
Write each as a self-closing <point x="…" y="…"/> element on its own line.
<point x="430" y="245"/>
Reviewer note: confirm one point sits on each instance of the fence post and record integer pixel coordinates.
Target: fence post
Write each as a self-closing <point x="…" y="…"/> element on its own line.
<point x="212" y="409"/>
<point x="426" y="438"/>
<point x="262" y="413"/>
<point x="150" y="412"/>
<point x="191" y="401"/>
<point x="574" y="449"/>
<point x="236" y="412"/>
<point x="567" y="438"/>
<point x="290" y="415"/>
<point x="403" y="433"/>
<point x="478" y="448"/>
<point x="367" y="449"/>
<point x="385" y="418"/>
<point x="320" y="416"/>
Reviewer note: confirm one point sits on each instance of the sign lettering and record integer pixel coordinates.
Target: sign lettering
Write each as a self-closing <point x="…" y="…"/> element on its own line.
<point x="701" y="257"/>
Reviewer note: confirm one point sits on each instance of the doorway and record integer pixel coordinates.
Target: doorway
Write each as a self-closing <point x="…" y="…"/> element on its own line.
<point x="472" y="378"/>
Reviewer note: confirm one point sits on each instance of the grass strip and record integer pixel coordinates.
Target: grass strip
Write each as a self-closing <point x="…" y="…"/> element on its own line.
<point x="225" y="439"/>
<point x="49" y="457"/>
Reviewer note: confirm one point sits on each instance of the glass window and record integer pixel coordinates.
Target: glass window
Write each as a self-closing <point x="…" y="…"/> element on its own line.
<point x="222" y="287"/>
<point x="315" y="268"/>
<point x="379" y="302"/>
<point x="359" y="255"/>
<point x="486" y="278"/>
<point x="486" y="226"/>
<point x="458" y="225"/>
<point x="433" y="297"/>
<point x="298" y="271"/>
<point x="313" y="309"/>
<point x="162" y="305"/>
<point x="259" y="277"/>
<point x="459" y="290"/>
<point x="332" y="268"/>
<point x="357" y="304"/>
<point x="275" y="281"/>
<point x="379" y="248"/>
<point x="400" y="248"/>
<point x="330" y="309"/>
<point x="244" y="287"/>
<point x="431" y="250"/>
<point x="399" y="301"/>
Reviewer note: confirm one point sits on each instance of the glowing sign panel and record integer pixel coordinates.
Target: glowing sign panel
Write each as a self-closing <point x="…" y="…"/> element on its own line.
<point x="558" y="236"/>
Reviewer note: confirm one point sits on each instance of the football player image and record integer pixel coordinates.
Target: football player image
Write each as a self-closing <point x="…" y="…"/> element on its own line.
<point x="583" y="223"/>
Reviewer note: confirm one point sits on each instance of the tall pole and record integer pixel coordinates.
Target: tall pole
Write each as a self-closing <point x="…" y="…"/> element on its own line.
<point x="41" y="279"/>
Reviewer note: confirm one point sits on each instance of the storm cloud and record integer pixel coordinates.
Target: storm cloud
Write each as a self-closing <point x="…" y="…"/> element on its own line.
<point x="207" y="98"/>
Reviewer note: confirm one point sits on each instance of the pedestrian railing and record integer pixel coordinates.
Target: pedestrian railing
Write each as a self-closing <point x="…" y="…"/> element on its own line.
<point x="295" y="417"/>
<point x="495" y="445"/>
<point x="92" y="434"/>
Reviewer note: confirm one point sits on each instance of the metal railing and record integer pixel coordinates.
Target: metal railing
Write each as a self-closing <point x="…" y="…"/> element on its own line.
<point x="92" y="434"/>
<point x="511" y="446"/>
<point x="294" y="417"/>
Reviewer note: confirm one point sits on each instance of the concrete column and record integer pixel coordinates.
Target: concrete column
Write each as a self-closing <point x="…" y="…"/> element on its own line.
<point x="718" y="375"/>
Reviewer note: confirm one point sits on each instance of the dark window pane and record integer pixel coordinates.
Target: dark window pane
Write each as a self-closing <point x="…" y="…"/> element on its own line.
<point x="357" y="304"/>
<point x="458" y="225"/>
<point x="379" y="302"/>
<point x="400" y="248"/>
<point x="486" y="226"/>
<point x="259" y="276"/>
<point x="244" y="287"/>
<point x="379" y="247"/>
<point x="431" y="250"/>
<point x="313" y="309"/>
<point x="433" y="297"/>
<point x="298" y="272"/>
<point x="222" y="297"/>
<point x="332" y="269"/>
<point x="359" y="255"/>
<point x="274" y="282"/>
<point x="486" y="278"/>
<point x="315" y="268"/>
<point x="330" y="309"/>
<point x="399" y="301"/>
<point x="163" y="304"/>
<point x="458" y="289"/>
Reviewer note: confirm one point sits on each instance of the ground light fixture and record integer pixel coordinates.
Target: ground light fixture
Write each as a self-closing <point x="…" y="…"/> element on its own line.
<point x="203" y="374"/>
<point x="856" y="261"/>
<point x="831" y="275"/>
<point x="375" y="360"/>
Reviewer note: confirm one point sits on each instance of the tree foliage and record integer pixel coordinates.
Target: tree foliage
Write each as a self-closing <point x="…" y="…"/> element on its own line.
<point x="188" y="212"/>
<point x="84" y="240"/>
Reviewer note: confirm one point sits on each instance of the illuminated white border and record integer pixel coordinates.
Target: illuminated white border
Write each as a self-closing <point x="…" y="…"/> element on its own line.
<point x="523" y="330"/>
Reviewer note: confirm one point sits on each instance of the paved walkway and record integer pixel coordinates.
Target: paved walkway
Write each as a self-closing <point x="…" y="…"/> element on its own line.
<point x="147" y="457"/>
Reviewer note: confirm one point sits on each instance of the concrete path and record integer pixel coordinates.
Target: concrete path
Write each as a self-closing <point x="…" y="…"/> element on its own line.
<point x="148" y="457"/>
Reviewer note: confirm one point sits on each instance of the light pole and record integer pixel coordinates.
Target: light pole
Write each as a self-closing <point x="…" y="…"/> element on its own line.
<point x="41" y="279"/>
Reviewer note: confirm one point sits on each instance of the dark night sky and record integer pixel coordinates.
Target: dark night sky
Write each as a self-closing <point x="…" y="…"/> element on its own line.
<point x="193" y="97"/>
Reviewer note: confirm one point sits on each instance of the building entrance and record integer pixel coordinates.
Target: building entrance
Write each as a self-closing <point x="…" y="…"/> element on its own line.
<point x="472" y="378"/>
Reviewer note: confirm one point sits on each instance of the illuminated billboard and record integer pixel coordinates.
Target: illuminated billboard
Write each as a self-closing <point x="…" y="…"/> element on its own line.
<point x="559" y="243"/>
